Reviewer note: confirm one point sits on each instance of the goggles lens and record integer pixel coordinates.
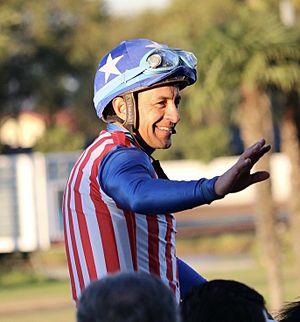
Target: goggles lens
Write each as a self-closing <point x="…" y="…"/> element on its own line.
<point x="165" y="59"/>
<point x="188" y="57"/>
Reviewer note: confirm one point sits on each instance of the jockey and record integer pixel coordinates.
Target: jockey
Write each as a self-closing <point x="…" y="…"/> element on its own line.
<point x="118" y="203"/>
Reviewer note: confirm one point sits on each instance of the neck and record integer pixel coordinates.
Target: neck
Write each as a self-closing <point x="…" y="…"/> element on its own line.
<point x="135" y="136"/>
<point x="148" y="149"/>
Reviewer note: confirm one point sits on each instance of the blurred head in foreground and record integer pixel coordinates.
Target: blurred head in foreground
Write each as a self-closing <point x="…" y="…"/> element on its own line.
<point x="127" y="297"/>
<point x="290" y="312"/>
<point x="226" y="301"/>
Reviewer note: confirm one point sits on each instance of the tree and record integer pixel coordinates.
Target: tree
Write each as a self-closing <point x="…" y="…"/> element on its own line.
<point x="290" y="134"/>
<point x="58" y="138"/>
<point x="252" y="51"/>
<point x="50" y="52"/>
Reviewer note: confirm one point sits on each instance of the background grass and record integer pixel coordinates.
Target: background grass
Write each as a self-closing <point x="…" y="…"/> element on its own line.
<point x="47" y="301"/>
<point x="31" y="292"/>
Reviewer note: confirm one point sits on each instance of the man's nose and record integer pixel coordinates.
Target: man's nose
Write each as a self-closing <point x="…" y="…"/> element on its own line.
<point x="172" y="113"/>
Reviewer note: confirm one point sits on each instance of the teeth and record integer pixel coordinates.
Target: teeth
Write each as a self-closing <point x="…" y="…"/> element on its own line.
<point x="165" y="129"/>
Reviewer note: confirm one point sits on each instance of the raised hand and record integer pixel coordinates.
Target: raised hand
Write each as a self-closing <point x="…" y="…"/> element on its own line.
<point x="238" y="177"/>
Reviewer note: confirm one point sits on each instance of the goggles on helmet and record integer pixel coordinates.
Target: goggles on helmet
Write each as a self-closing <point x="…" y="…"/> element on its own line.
<point x="158" y="60"/>
<point x="161" y="60"/>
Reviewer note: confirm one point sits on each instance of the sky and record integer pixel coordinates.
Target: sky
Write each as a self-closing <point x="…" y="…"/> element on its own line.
<point x="122" y="7"/>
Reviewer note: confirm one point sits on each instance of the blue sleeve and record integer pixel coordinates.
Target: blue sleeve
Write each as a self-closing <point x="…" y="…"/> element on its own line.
<point x="127" y="176"/>
<point x="188" y="278"/>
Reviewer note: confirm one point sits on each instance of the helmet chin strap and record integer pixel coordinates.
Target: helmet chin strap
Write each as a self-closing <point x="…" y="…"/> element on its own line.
<point x="130" y="121"/>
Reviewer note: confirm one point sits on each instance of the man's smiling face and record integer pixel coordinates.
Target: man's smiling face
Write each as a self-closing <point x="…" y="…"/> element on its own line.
<point x="158" y="115"/>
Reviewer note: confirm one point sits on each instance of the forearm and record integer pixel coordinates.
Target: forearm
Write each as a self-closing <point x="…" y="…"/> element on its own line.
<point x="160" y="196"/>
<point x="132" y="187"/>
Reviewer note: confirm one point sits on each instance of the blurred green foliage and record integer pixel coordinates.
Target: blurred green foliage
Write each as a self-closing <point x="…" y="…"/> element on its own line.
<point x="59" y="138"/>
<point x="49" y="51"/>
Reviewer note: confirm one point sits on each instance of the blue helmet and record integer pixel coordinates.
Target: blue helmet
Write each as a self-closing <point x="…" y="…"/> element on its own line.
<point x="136" y="64"/>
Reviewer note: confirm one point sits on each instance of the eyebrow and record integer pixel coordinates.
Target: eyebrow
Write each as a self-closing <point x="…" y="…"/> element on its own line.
<point x="162" y="98"/>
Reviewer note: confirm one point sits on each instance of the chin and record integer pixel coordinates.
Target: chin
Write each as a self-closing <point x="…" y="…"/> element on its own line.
<point x="165" y="146"/>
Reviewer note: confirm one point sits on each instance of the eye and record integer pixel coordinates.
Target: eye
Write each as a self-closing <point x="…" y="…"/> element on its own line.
<point x="160" y="104"/>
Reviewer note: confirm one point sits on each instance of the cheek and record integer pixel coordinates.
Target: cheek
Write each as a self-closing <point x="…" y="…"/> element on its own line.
<point x="148" y="120"/>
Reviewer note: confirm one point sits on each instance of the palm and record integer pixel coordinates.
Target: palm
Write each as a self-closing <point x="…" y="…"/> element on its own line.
<point x="239" y="176"/>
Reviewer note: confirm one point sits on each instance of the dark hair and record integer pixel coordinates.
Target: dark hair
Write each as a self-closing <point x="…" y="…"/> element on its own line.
<point x="127" y="297"/>
<point x="290" y="312"/>
<point x="109" y="115"/>
<point x="223" y="300"/>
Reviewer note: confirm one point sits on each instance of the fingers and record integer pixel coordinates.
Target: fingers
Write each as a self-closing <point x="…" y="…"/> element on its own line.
<point x="256" y="151"/>
<point x="259" y="176"/>
<point x="243" y="165"/>
<point x="260" y="153"/>
<point x="254" y="148"/>
<point x="238" y="177"/>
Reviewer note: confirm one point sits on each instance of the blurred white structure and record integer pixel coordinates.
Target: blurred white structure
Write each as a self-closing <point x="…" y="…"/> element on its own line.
<point x="22" y="131"/>
<point x="23" y="211"/>
<point x="122" y="8"/>
<point x="31" y="190"/>
<point x="32" y="185"/>
<point x="287" y="12"/>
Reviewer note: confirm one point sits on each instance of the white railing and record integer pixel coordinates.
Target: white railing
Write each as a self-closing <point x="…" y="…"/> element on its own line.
<point x="31" y="191"/>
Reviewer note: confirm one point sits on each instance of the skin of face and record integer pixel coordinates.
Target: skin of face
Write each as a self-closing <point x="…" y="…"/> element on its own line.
<point x="158" y="115"/>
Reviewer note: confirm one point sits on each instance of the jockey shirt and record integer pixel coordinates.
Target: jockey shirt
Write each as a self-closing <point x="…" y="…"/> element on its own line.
<point x="118" y="213"/>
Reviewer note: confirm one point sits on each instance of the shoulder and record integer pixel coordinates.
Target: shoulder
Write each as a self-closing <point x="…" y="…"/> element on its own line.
<point x="126" y="161"/>
<point x="117" y="137"/>
<point x="122" y="148"/>
<point x="127" y="154"/>
<point x="108" y="142"/>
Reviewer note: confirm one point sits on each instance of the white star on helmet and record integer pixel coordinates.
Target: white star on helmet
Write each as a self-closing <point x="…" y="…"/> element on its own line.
<point x="110" y="67"/>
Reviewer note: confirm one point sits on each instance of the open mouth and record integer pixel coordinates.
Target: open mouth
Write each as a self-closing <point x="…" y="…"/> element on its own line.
<point x="169" y="130"/>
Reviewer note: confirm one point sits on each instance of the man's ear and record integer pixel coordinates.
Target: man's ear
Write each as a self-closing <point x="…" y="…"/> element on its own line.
<point x="120" y="108"/>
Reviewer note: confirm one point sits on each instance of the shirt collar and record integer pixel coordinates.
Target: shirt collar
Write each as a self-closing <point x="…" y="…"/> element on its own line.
<point x="112" y="127"/>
